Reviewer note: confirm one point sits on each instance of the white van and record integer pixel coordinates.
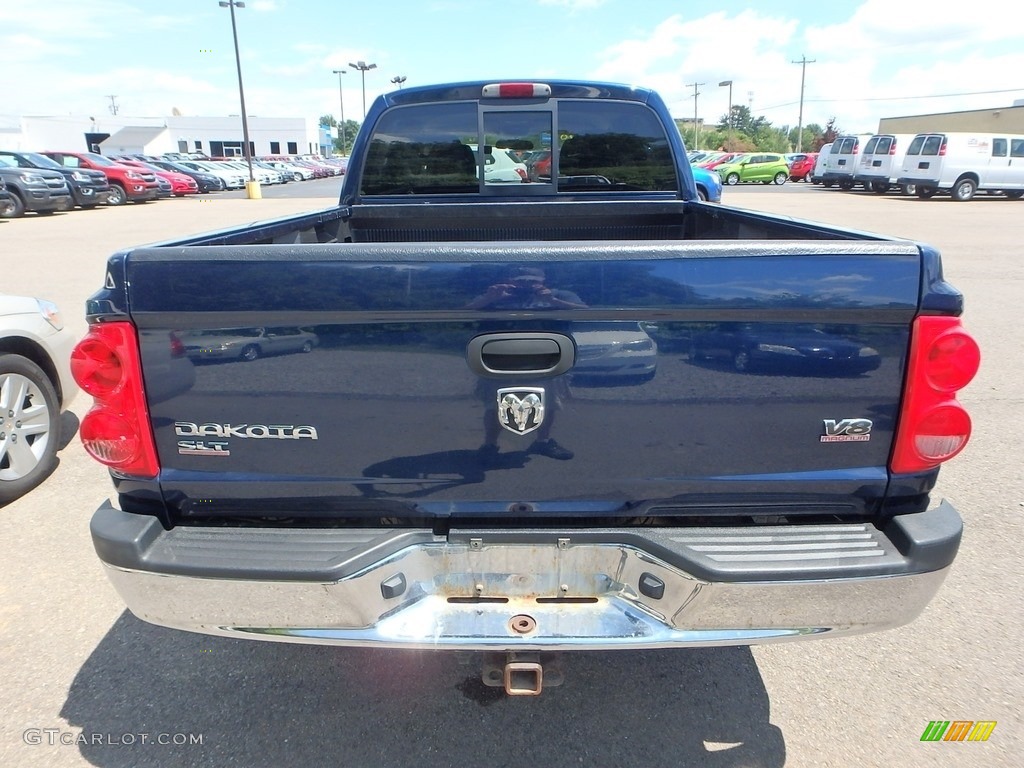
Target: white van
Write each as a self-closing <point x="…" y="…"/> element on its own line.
<point x="881" y="162"/>
<point x="841" y="163"/>
<point x="819" y="164"/>
<point x="964" y="163"/>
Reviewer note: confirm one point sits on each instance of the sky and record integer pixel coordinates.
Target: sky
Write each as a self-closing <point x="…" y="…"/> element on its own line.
<point x="867" y="59"/>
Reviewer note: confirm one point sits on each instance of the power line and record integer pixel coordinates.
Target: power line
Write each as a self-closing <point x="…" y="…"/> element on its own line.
<point x="894" y="98"/>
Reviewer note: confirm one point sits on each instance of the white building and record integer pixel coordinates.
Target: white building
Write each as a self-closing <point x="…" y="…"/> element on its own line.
<point x="117" y="135"/>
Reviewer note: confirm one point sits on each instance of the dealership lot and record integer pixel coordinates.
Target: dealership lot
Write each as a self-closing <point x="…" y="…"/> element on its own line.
<point x="75" y="663"/>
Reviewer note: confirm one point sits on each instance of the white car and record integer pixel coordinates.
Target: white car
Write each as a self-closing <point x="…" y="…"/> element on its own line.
<point x="502" y="167"/>
<point x="261" y="175"/>
<point x="35" y="387"/>
<point x="298" y="172"/>
<point x="232" y="178"/>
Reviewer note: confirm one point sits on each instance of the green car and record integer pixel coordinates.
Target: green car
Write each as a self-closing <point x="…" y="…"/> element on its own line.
<point x="755" y="167"/>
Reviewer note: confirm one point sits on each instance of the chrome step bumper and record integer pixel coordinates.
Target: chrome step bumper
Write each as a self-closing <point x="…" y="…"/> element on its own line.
<point x="529" y="590"/>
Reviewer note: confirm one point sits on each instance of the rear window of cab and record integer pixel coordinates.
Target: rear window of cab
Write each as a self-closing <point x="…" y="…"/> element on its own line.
<point x="449" y="148"/>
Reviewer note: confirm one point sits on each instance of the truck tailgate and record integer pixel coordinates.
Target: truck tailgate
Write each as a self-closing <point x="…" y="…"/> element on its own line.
<point x="688" y="378"/>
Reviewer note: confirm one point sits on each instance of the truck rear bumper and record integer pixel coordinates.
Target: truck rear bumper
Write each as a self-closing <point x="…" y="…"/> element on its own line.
<point x="529" y="589"/>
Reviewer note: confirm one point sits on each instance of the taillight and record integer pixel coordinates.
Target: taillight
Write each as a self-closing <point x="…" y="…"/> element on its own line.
<point x="892" y="147"/>
<point x="942" y="147"/>
<point x="522" y="174"/>
<point x="516" y="91"/>
<point x="116" y="430"/>
<point x="933" y="427"/>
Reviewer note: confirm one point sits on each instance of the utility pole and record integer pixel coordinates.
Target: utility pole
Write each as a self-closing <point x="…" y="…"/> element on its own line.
<point x="800" y="123"/>
<point x="113" y="104"/>
<point x="696" y="93"/>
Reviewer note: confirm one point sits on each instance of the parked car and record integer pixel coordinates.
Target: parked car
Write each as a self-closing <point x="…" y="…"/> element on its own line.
<point x="88" y="188"/>
<point x="246" y="344"/>
<point x="709" y="184"/>
<point x="964" y="163"/>
<point x="126" y="184"/>
<point x="761" y="167"/>
<point x="205" y="182"/>
<point x="783" y="348"/>
<point x="841" y="162"/>
<point x="180" y="184"/>
<point x="881" y="162"/>
<point x="5" y="199"/>
<point x="818" y="173"/>
<point x="721" y="159"/>
<point x="538" y="164"/>
<point x="501" y="166"/>
<point x="231" y="177"/>
<point x="34" y="189"/>
<point x="298" y="172"/>
<point x="801" y="164"/>
<point x="262" y="175"/>
<point x="35" y="387"/>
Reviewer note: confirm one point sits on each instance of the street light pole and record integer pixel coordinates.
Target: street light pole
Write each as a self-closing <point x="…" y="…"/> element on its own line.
<point x="398" y="80"/>
<point x="341" y="103"/>
<point x="728" y="129"/>
<point x="363" y="68"/>
<point x="252" y="188"/>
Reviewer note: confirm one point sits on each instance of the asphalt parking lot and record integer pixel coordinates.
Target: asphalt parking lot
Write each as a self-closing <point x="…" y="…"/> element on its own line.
<point x="85" y="683"/>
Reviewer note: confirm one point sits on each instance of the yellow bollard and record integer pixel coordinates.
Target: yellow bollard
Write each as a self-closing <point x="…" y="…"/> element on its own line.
<point x="252" y="190"/>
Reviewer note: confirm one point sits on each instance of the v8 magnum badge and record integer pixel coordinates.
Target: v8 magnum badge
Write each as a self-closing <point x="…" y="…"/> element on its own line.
<point x="847" y="431"/>
<point x="521" y="409"/>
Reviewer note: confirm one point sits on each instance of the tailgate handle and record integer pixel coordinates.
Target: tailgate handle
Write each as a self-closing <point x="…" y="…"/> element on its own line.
<point x="517" y="354"/>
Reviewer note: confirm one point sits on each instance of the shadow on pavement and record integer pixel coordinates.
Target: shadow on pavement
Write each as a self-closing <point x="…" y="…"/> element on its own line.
<point x="273" y="704"/>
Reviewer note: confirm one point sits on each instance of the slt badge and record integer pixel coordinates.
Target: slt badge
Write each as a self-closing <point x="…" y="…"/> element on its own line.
<point x="521" y="409"/>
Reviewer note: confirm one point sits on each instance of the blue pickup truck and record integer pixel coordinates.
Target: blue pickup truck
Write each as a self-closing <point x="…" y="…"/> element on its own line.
<point x="583" y="411"/>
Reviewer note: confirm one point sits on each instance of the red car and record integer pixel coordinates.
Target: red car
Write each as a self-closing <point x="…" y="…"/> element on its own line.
<point x="126" y="183"/>
<point x="719" y="160"/>
<point x="801" y="165"/>
<point x="181" y="184"/>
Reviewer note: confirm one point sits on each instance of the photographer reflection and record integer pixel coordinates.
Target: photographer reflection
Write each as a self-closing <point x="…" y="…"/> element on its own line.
<point x="526" y="288"/>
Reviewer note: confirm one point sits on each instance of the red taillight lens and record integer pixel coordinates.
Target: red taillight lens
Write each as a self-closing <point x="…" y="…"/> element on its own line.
<point x="953" y="360"/>
<point x="942" y="147"/>
<point x="96" y="367"/>
<point x="516" y="91"/>
<point x="116" y="431"/>
<point x="933" y="427"/>
<point x="892" y="147"/>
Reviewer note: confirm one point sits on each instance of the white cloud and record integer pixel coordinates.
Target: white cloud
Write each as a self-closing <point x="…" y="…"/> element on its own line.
<point x="574" y="5"/>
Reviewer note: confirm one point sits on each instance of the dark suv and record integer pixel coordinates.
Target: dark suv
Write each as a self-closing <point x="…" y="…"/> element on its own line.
<point x="5" y="199"/>
<point x="34" y="189"/>
<point x="89" y="188"/>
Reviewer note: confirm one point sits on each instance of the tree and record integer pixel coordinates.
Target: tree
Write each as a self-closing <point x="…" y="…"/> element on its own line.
<point x="351" y="129"/>
<point x="812" y="134"/>
<point x="830" y="133"/>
